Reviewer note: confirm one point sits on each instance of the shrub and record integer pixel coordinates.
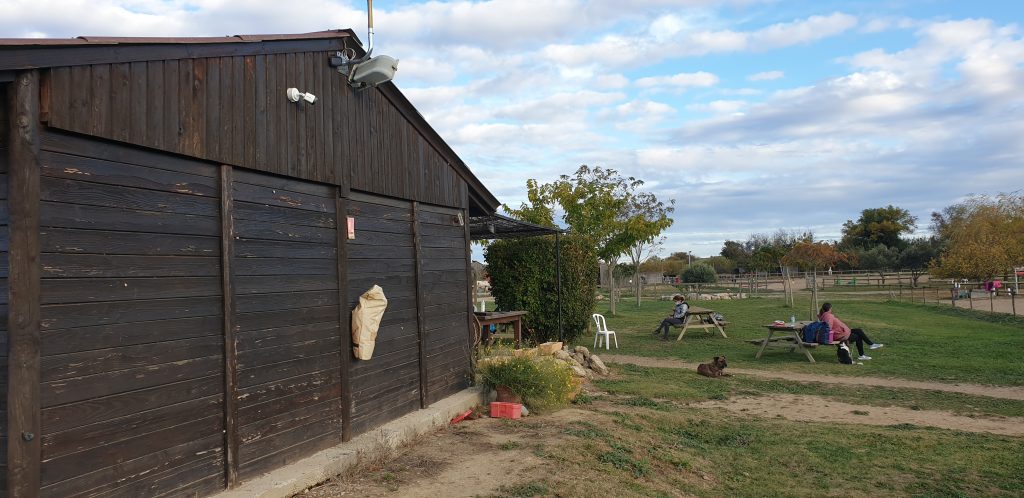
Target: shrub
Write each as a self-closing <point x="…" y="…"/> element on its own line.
<point x="544" y="383"/>
<point x="700" y="273"/>
<point x="523" y="277"/>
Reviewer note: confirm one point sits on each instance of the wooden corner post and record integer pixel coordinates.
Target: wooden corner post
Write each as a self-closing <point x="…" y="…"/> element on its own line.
<point x="227" y="248"/>
<point x="344" y="316"/>
<point x="23" y="321"/>
<point x="420" y="323"/>
<point x="470" y="288"/>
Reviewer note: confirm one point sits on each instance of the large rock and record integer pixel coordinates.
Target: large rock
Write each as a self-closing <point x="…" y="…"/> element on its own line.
<point x="579" y="358"/>
<point x="583" y="351"/>
<point x="562" y="355"/>
<point x="579" y="371"/>
<point x="549" y="348"/>
<point x="597" y="365"/>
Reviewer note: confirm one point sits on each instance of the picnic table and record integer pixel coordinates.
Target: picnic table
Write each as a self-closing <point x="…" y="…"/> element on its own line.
<point x="789" y="336"/>
<point x="704" y="318"/>
<point x="515" y="318"/>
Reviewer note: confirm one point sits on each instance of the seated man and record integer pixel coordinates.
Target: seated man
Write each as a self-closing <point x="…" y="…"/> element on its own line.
<point x="676" y="318"/>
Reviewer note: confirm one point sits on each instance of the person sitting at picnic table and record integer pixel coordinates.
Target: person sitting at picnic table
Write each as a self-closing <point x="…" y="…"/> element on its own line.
<point x="843" y="333"/>
<point x="676" y="318"/>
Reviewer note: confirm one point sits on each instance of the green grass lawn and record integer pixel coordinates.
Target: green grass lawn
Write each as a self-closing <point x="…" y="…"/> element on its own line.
<point x="643" y="434"/>
<point x="647" y="451"/>
<point x="922" y="342"/>
<point x="645" y="439"/>
<point x="684" y="386"/>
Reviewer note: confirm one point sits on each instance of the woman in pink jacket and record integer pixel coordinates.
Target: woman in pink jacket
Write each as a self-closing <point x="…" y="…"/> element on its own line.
<point x="842" y="333"/>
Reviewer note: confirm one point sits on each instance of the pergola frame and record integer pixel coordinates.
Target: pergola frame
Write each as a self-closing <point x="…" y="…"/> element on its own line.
<point x="497" y="226"/>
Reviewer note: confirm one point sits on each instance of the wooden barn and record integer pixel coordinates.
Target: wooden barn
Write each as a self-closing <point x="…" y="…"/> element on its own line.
<point x="182" y="246"/>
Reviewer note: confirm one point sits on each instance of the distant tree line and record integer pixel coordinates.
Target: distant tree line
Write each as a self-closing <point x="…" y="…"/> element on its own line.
<point x="978" y="238"/>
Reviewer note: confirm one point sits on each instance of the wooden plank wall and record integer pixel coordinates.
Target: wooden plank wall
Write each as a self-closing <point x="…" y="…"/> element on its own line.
<point x="386" y="386"/>
<point x="233" y="110"/>
<point x="133" y="314"/>
<point x="389" y="157"/>
<point x="132" y="346"/>
<point x="287" y="326"/>
<point x="4" y="244"/>
<point x="445" y="301"/>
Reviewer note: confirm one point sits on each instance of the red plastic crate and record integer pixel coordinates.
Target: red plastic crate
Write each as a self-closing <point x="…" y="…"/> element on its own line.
<point x="506" y="410"/>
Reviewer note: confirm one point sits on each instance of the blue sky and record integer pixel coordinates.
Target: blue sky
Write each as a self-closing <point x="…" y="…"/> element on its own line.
<point x="753" y="115"/>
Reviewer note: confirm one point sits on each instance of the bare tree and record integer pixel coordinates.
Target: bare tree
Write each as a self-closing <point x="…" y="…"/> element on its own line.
<point x="640" y="252"/>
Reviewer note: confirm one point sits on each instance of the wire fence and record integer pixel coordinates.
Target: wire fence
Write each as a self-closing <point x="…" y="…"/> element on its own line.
<point x="896" y="286"/>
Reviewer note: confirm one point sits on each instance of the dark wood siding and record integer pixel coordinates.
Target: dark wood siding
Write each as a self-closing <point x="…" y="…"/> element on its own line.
<point x="192" y="293"/>
<point x="233" y="110"/>
<point x="386" y="386"/>
<point x="4" y="243"/>
<point x="445" y="301"/>
<point x="287" y="322"/>
<point x="132" y="345"/>
<point x="399" y="162"/>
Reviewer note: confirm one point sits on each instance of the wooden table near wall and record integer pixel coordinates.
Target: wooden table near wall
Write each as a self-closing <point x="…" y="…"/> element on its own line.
<point x="496" y="317"/>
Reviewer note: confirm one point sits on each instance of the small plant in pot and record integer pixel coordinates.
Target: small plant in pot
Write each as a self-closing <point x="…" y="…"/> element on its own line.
<point x="543" y="384"/>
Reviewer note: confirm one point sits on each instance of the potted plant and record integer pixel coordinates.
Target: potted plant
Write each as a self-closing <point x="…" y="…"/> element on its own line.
<point x="541" y="383"/>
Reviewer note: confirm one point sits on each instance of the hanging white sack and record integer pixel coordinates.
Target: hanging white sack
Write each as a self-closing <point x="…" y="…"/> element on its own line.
<point x="366" y="320"/>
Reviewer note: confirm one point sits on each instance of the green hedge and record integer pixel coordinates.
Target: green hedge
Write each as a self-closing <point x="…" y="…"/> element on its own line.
<point x="523" y="278"/>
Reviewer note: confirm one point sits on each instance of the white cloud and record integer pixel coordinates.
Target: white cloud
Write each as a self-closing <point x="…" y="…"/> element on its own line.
<point x="672" y="39"/>
<point x="667" y="26"/>
<point x="643" y="107"/>
<point x="611" y="81"/>
<point x="557" y="107"/>
<point x="766" y="76"/>
<point x="719" y="106"/>
<point x="679" y="81"/>
<point x="880" y="24"/>
<point x="639" y="116"/>
<point x="802" y="31"/>
<point x="427" y="70"/>
<point x="742" y="92"/>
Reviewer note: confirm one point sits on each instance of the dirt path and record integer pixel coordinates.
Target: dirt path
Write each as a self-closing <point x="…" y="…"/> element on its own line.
<point x="1004" y="392"/>
<point x="815" y="409"/>
<point x="472" y="459"/>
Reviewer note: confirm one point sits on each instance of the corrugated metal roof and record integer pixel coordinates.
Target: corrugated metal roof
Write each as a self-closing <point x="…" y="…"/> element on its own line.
<point x="498" y="226"/>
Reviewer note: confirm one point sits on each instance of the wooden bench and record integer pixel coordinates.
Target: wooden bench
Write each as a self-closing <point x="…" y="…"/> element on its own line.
<point x="786" y="339"/>
<point x="816" y="344"/>
<point x="721" y="323"/>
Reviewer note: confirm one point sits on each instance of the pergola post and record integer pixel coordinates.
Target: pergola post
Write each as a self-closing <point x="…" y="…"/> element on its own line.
<point x="558" y="283"/>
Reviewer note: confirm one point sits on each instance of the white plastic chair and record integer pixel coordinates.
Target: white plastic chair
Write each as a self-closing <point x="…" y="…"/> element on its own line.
<point x="602" y="331"/>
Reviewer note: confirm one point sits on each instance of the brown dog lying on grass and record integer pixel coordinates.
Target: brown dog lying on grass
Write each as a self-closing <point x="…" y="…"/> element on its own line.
<point x="713" y="369"/>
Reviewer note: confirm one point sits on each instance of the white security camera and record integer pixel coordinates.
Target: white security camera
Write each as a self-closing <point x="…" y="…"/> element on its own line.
<point x="295" y="95"/>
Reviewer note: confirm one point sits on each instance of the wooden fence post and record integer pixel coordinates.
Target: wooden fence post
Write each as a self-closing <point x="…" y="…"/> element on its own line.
<point x="23" y="319"/>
